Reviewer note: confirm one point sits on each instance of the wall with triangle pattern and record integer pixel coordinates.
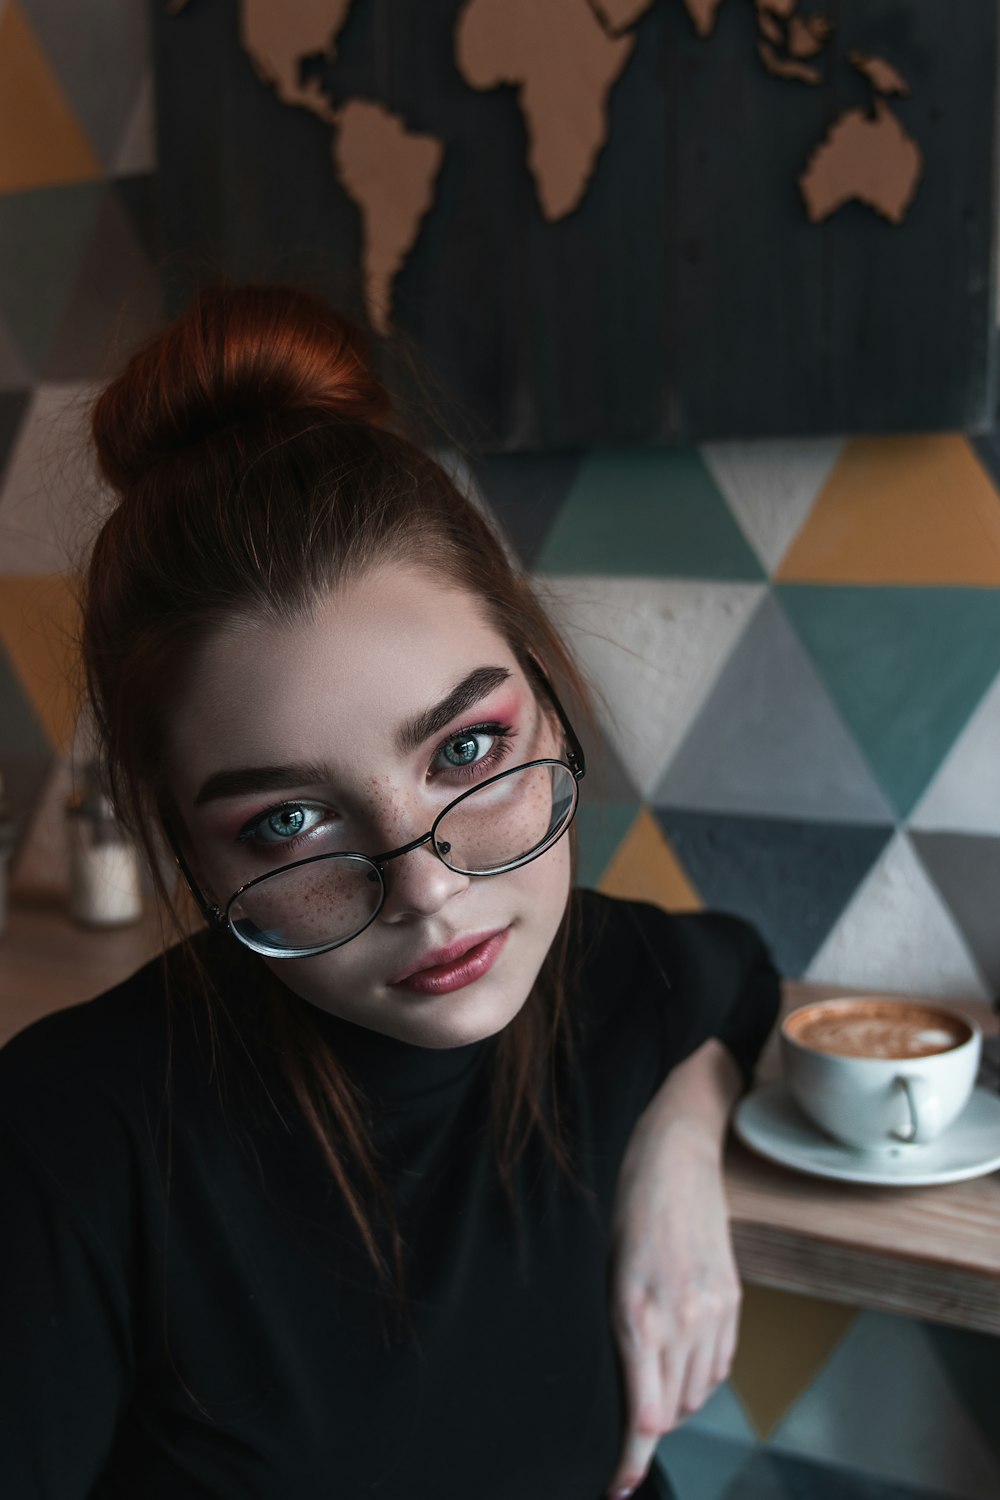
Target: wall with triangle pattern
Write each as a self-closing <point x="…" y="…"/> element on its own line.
<point x="796" y="648"/>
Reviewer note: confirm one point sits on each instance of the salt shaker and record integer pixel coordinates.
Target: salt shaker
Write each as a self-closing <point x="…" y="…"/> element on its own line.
<point x="105" y="880"/>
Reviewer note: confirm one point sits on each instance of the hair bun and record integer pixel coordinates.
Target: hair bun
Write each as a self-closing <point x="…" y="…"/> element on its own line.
<point x="235" y="356"/>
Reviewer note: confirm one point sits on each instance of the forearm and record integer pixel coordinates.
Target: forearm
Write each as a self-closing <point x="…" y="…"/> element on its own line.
<point x="696" y="1099"/>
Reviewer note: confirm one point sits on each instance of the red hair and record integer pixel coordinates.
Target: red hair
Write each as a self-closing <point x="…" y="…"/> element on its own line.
<point x="256" y="467"/>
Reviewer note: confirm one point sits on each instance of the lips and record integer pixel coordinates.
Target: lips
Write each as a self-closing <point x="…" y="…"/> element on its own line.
<point x="454" y="967"/>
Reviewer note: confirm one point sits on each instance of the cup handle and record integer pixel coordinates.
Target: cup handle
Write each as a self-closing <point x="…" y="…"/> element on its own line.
<point x="923" y="1108"/>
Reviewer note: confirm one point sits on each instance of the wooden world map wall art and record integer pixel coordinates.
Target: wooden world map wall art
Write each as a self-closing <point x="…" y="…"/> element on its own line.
<point x="596" y="221"/>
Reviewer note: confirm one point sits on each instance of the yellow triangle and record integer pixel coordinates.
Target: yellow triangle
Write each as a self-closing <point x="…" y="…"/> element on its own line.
<point x="901" y="510"/>
<point x="41" y="141"/>
<point x="39" y="629"/>
<point x="645" y="868"/>
<point x="784" y="1341"/>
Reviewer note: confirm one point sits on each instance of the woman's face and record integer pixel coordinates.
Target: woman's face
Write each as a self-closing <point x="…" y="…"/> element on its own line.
<point x="336" y="733"/>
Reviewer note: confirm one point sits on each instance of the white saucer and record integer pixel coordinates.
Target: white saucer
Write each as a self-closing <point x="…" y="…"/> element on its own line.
<point x="771" y="1123"/>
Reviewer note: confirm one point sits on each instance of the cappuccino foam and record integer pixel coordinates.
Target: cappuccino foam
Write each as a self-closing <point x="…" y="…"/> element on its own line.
<point x="870" y="1028"/>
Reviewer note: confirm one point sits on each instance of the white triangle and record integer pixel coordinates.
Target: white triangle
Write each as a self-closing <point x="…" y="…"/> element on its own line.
<point x="136" y="151"/>
<point x="652" y="647"/>
<point x="52" y="498"/>
<point x="868" y="1409"/>
<point x="896" y="934"/>
<point x="771" y="486"/>
<point x="964" y="796"/>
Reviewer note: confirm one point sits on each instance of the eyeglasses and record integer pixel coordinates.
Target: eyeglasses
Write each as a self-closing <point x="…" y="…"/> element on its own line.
<point x="322" y="902"/>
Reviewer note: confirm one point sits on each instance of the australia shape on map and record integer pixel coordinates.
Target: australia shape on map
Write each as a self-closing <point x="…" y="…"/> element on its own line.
<point x="865" y="157"/>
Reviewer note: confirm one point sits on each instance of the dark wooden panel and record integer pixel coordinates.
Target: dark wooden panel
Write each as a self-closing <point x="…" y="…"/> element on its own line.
<point x="687" y="297"/>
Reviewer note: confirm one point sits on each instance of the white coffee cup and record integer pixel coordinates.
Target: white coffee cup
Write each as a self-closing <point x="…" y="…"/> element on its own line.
<point x="880" y="1074"/>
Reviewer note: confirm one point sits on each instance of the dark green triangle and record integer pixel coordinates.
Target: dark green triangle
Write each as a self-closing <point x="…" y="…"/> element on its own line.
<point x="647" y="512"/>
<point x="13" y="405"/>
<point x="791" y="879"/>
<point x="525" y="492"/>
<point x="905" y="666"/>
<point x="43" y="235"/>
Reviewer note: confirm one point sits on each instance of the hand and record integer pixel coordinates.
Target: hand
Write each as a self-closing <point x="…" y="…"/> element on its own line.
<point x="675" y="1292"/>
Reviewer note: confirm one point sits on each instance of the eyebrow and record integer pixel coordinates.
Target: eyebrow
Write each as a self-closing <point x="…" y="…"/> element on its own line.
<point x="469" y="691"/>
<point x="243" y="780"/>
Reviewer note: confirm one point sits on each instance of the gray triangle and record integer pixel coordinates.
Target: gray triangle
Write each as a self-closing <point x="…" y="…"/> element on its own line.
<point x="608" y="803"/>
<point x="115" y="301"/>
<point x="14" y="373"/>
<point x="881" y="1381"/>
<point x="42" y="237"/>
<point x="606" y="779"/>
<point x="99" y="54"/>
<point x="965" y="867"/>
<point x="769" y="741"/>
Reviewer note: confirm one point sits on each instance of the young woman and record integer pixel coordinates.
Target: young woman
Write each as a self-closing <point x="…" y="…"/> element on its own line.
<point x="401" y="1176"/>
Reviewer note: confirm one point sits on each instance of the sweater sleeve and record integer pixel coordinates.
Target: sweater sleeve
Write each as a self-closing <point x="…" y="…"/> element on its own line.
<point x="65" y="1368"/>
<point x="713" y="977"/>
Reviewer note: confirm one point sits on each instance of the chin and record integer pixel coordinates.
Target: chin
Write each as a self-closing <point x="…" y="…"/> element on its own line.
<point x="459" y="1018"/>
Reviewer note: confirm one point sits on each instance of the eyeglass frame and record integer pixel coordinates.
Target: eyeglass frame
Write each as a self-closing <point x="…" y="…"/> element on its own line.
<point x="219" y="918"/>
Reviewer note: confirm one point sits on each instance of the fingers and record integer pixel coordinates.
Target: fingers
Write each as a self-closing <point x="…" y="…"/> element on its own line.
<point x="726" y="1346"/>
<point x="698" y="1383"/>
<point x="643" y="1388"/>
<point x="709" y="1362"/>
<point x="669" y="1375"/>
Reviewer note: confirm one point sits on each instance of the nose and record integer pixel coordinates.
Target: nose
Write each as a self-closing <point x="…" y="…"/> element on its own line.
<point x="418" y="884"/>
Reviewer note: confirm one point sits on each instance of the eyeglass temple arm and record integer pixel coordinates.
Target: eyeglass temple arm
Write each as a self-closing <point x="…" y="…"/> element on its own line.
<point x="209" y="911"/>
<point x="574" y="750"/>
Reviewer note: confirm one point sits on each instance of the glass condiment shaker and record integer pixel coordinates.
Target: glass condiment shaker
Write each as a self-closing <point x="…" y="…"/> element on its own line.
<point x="105" y="885"/>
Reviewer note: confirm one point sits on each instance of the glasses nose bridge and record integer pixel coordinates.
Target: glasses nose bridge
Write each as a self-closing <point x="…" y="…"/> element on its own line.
<point x="381" y="860"/>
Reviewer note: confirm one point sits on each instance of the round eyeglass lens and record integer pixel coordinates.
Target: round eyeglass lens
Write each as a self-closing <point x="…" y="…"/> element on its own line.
<point x="507" y="820"/>
<point x="330" y="899"/>
<point x="307" y="906"/>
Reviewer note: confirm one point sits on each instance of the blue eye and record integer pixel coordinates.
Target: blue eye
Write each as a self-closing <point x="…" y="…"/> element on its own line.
<point x="287" y="822"/>
<point x="282" y="824"/>
<point x="476" y="751"/>
<point x="464" y="749"/>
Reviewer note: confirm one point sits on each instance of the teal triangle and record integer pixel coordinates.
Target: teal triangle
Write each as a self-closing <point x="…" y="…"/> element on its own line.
<point x="905" y="666"/>
<point x="43" y="235"/>
<point x="647" y="512"/>
<point x="701" y="1465"/>
<point x="600" y="828"/>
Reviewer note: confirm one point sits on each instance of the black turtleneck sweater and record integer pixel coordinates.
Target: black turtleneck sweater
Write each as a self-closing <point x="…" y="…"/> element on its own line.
<point x="187" y="1311"/>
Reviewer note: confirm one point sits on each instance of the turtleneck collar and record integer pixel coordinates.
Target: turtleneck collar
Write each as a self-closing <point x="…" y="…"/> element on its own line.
<point x="391" y="1072"/>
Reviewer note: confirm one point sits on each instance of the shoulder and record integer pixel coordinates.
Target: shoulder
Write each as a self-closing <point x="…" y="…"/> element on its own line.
<point x="99" y="1058"/>
<point x="679" y="944"/>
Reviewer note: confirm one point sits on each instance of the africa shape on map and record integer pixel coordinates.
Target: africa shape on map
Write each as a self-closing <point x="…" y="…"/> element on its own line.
<point x="564" y="58"/>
